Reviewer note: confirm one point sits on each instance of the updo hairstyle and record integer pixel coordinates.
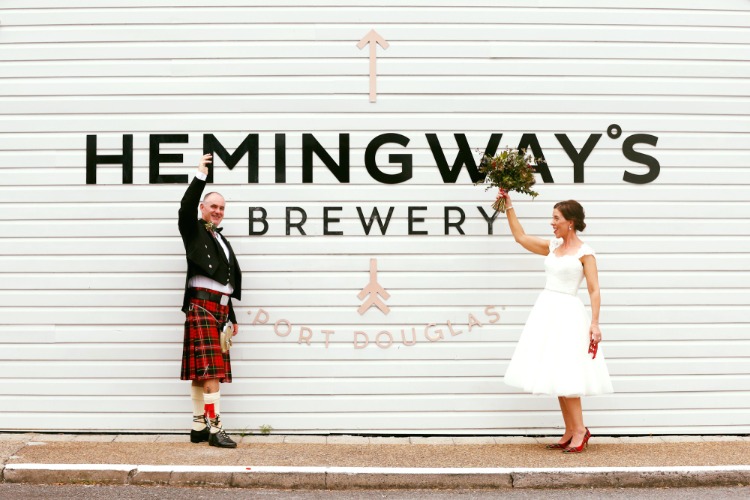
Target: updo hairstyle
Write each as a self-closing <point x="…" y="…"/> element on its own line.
<point x="572" y="211"/>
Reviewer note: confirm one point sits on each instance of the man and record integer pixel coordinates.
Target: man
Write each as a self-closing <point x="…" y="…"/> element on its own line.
<point x="213" y="279"/>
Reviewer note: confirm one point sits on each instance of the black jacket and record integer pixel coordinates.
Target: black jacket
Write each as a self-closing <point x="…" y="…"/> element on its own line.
<point x="202" y="251"/>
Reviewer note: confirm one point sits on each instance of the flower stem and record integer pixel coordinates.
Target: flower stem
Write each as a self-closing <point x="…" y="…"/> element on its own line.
<point x="499" y="205"/>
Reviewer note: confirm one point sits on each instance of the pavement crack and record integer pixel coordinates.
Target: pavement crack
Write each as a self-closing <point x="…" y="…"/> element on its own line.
<point x="131" y="473"/>
<point x="15" y="451"/>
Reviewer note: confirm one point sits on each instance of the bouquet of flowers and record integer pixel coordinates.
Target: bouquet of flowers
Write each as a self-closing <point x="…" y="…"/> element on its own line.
<point x="509" y="170"/>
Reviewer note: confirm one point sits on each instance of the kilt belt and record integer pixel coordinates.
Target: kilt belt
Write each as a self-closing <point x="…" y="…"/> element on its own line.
<point x="205" y="294"/>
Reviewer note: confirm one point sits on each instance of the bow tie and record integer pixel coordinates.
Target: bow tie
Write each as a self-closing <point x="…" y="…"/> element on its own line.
<point x="218" y="229"/>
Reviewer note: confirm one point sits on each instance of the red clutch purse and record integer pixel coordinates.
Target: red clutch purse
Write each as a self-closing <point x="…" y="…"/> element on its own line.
<point x="593" y="346"/>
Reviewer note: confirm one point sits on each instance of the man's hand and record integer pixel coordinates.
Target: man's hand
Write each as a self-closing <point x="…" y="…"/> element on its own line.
<point x="236" y="329"/>
<point x="202" y="166"/>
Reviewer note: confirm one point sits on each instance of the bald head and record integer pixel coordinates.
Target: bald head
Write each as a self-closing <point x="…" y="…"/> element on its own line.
<point x="212" y="208"/>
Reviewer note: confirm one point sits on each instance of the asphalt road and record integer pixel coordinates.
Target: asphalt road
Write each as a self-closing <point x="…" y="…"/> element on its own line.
<point x="68" y="492"/>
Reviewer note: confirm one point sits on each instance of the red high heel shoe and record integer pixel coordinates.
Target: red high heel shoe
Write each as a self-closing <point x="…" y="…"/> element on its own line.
<point x="579" y="449"/>
<point x="559" y="446"/>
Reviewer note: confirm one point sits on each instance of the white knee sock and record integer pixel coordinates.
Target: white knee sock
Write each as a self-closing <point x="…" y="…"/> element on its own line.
<point x="196" y="394"/>
<point x="213" y="410"/>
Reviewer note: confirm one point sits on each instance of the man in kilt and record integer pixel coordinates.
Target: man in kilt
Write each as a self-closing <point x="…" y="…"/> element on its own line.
<point x="213" y="279"/>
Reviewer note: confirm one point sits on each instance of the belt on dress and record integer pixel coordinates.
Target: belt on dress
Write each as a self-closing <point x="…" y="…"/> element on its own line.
<point x="219" y="298"/>
<point x="574" y="294"/>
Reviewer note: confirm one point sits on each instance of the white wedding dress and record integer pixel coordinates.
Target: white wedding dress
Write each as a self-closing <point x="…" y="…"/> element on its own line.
<point x="552" y="354"/>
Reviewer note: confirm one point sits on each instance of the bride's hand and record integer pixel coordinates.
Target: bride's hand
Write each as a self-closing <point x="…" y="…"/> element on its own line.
<point x="502" y="193"/>
<point x="595" y="334"/>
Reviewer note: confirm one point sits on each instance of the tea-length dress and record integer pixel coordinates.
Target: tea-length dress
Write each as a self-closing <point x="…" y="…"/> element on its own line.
<point x="552" y="353"/>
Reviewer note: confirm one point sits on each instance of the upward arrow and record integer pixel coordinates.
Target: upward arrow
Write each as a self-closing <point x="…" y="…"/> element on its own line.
<point x="374" y="40"/>
<point x="373" y="289"/>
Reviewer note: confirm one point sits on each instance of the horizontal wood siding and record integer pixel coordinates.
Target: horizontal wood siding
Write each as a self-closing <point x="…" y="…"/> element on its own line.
<point x="92" y="275"/>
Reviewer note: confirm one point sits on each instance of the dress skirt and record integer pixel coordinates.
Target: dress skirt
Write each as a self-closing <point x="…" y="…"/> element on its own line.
<point x="552" y="353"/>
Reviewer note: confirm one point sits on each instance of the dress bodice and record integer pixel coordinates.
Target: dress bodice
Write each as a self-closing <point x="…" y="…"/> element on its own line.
<point x="564" y="274"/>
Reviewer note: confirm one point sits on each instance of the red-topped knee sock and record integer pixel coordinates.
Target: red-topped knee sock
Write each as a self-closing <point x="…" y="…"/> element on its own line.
<point x="213" y="411"/>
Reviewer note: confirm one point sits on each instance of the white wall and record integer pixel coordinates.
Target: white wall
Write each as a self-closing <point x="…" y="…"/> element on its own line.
<point x="92" y="275"/>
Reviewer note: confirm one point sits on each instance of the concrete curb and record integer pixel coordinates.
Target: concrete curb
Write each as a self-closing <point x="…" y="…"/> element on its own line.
<point x="66" y="473"/>
<point x="320" y="478"/>
<point x="616" y="477"/>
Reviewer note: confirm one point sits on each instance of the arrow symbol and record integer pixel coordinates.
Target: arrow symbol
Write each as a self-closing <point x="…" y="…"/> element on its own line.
<point x="372" y="290"/>
<point x="374" y="40"/>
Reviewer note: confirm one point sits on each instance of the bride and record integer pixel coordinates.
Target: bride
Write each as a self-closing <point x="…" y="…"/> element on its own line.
<point x="557" y="353"/>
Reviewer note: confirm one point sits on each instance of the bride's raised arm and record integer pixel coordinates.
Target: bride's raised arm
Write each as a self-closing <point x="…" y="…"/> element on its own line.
<point x="531" y="243"/>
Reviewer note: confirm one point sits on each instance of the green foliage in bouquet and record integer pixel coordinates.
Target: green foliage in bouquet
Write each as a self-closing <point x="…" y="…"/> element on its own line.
<point x="509" y="170"/>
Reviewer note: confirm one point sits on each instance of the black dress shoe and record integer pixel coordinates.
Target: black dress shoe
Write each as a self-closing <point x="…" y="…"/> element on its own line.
<point x="199" y="436"/>
<point x="221" y="440"/>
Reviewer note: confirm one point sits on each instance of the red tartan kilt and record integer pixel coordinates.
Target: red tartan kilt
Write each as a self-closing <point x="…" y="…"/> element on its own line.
<point x="202" y="358"/>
